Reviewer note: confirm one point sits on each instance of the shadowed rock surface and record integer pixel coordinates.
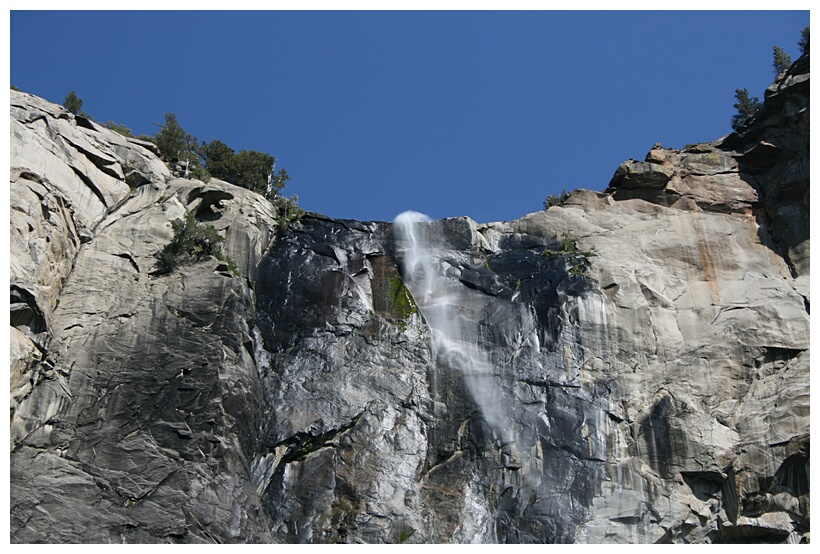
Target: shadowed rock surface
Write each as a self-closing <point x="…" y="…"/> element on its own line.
<point x="644" y="351"/>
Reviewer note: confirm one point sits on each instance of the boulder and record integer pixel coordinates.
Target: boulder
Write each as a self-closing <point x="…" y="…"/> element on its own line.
<point x="641" y="175"/>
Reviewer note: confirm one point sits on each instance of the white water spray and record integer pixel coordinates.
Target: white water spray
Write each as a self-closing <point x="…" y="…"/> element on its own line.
<point x="451" y="314"/>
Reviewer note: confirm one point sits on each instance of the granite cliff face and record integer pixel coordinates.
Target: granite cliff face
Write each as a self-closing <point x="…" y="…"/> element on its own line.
<point x="629" y="366"/>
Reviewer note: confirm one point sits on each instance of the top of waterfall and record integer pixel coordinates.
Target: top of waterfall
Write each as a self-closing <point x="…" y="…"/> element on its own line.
<point x="411" y="217"/>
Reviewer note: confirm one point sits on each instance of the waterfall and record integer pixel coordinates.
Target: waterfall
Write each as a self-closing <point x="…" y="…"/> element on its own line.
<point x="450" y="311"/>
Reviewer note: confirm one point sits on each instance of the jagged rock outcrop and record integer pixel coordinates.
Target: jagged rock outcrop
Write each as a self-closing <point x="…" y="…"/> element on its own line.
<point x="133" y="393"/>
<point x="629" y="366"/>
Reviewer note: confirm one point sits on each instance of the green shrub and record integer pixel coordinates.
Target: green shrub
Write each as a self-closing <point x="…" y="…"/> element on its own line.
<point x="404" y="535"/>
<point x="804" y="41"/>
<point x="248" y="169"/>
<point x="251" y="170"/>
<point x="782" y="61"/>
<point x="193" y="242"/>
<point x="566" y="246"/>
<point x="217" y="156"/>
<point x="173" y="143"/>
<point x="232" y="267"/>
<point x="278" y="181"/>
<point x="73" y="103"/>
<point x="199" y="173"/>
<point x="578" y="260"/>
<point x="121" y="129"/>
<point x="288" y="211"/>
<point x="555" y="200"/>
<point x="746" y="108"/>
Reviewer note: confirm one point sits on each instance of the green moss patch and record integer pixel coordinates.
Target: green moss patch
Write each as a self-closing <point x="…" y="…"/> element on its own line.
<point x="401" y="303"/>
<point x="391" y="298"/>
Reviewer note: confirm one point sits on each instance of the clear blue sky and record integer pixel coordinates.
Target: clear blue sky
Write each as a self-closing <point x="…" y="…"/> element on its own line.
<point x="448" y="113"/>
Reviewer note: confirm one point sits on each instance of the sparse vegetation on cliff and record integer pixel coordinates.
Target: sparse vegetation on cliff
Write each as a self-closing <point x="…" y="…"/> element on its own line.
<point x="746" y="107"/>
<point x="781" y="61"/>
<point x="555" y="199"/>
<point x="174" y="143"/>
<point x="193" y="242"/>
<point x="289" y="210"/>
<point x="803" y="43"/>
<point x="73" y="103"/>
<point x="577" y="259"/>
<point x="121" y="129"/>
<point x="248" y="169"/>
